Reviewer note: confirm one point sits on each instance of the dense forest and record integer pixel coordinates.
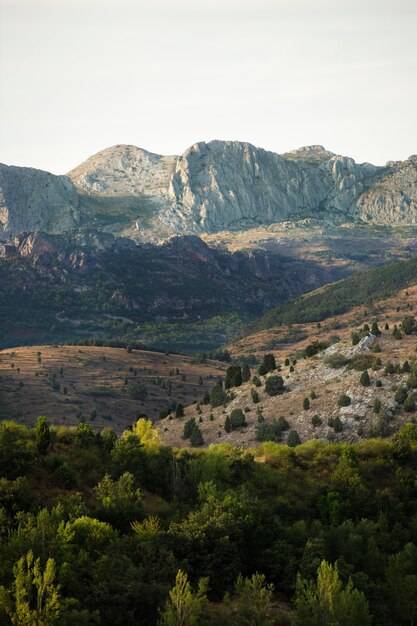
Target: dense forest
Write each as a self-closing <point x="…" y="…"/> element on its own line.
<point x="97" y="529"/>
<point x="363" y="288"/>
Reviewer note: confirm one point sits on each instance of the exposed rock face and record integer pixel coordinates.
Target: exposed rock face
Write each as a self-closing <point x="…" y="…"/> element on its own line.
<point x="230" y="185"/>
<point x="124" y="171"/>
<point x="233" y="185"/>
<point x="392" y="199"/>
<point x="215" y="186"/>
<point x="32" y="200"/>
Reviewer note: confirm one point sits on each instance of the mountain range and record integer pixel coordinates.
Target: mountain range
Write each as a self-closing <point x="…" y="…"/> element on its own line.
<point x="212" y="187"/>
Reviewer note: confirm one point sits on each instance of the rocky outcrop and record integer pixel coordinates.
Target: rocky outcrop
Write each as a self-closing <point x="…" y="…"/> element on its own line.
<point x="212" y="187"/>
<point x="124" y="171"/>
<point x="233" y="185"/>
<point x="392" y="198"/>
<point x="33" y="200"/>
<point x="230" y="185"/>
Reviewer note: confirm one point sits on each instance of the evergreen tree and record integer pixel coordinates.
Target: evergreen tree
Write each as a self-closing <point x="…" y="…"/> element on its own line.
<point x="409" y="404"/>
<point x="374" y="329"/>
<point x="43" y="435"/>
<point x="233" y="376"/>
<point x="189" y="427"/>
<point x="237" y="418"/>
<point x="274" y="385"/>
<point x="343" y="400"/>
<point x="245" y="373"/>
<point x="179" y="411"/>
<point x="293" y="439"/>
<point x="268" y="364"/>
<point x="196" y="437"/>
<point x="306" y="404"/>
<point x="217" y="396"/>
<point x="364" y="379"/>
<point x="227" y="424"/>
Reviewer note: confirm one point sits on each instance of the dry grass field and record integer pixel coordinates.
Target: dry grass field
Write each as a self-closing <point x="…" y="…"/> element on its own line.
<point x="93" y="383"/>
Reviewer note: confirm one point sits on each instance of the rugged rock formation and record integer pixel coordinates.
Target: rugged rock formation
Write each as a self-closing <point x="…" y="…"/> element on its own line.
<point x="212" y="187"/>
<point x="124" y="171"/>
<point x="32" y="200"/>
<point x="230" y="185"/>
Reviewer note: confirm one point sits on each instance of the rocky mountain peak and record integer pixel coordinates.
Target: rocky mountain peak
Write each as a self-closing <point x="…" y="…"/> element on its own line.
<point x="123" y="170"/>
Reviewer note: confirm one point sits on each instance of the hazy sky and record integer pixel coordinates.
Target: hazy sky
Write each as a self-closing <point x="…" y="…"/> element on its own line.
<point x="80" y="75"/>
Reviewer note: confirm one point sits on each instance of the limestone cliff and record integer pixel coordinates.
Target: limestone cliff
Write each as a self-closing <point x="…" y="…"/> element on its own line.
<point x="212" y="187"/>
<point x="230" y="185"/>
<point x="33" y="200"/>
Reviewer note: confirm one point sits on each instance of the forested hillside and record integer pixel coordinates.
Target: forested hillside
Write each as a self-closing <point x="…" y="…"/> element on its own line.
<point x="360" y="289"/>
<point x="103" y="530"/>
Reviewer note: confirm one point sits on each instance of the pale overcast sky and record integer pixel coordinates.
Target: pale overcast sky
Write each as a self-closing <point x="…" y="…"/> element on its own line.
<point x="80" y="75"/>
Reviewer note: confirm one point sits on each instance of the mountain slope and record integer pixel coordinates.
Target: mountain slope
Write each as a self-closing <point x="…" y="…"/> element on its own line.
<point x="373" y="409"/>
<point x="55" y="287"/>
<point x="360" y="289"/>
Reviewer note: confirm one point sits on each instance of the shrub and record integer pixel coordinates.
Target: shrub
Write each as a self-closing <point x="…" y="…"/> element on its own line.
<point x="336" y="361"/>
<point x="343" y="400"/>
<point x="314" y="348"/>
<point x="378" y="383"/>
<point x="274" y="385"/>
<point x="355" y="338"/>
<point x="408" y="324"/>
<point x="409" y="404"/>
<point x="364" y="379"/>
<point x="237" y="418"/>
<point x="316" y="421"/>
<point x="377" y="405"/>
<point x="389" y="368"/>
<point x="293" y="439"/>
<point x="335" y="423"/>
<point x="256" y="381"/>
<point x="271" y="431"/>
<point x="400" y="395"/>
